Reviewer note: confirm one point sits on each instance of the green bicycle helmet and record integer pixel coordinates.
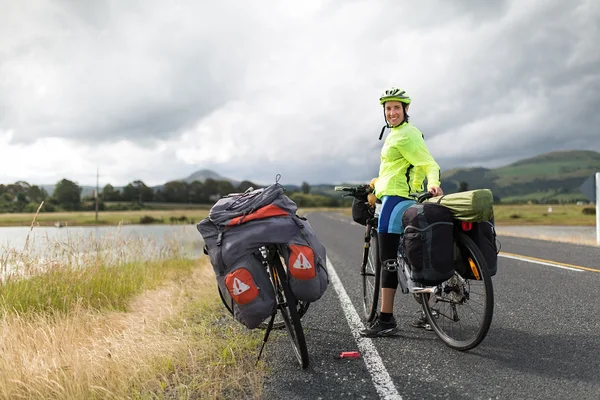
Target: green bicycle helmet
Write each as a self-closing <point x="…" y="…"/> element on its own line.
<point x="394" y="94"/>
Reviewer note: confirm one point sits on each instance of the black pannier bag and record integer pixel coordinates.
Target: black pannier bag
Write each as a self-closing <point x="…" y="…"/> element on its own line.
<point x="484" y="236"/>
<point x="361" y="211"/>
<point x="428" y="243"/>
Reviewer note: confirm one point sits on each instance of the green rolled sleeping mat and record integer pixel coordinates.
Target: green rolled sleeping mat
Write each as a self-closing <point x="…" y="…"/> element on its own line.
<point x="470" y="206"/>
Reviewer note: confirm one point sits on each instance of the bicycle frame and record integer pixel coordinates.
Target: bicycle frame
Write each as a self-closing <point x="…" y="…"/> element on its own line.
<point x="405" y="282"/>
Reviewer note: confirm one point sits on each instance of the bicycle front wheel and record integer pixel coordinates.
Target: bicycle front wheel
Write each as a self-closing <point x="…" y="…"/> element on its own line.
<point x="287" y="305"/>
<point x="460" y="311"/>
<point x="371" y="276"/>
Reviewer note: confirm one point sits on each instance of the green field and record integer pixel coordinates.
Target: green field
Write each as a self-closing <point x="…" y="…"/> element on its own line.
<point x="538" y="214"/>
<point x="81" y="218"/>
<point x="523" y="214"/>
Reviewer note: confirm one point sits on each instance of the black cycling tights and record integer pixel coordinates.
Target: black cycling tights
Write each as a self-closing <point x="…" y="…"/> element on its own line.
<point x="388" y="251"/>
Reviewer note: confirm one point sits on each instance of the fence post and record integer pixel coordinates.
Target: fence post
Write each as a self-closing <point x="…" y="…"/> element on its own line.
<point x="598" y="208"/>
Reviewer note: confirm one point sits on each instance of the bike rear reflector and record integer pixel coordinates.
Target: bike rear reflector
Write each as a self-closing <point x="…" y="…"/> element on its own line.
<point x="467" y="226"/>
<point x="474" y="269"/>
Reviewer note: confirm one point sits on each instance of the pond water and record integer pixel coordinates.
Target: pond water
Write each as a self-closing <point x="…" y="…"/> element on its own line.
<point x="40" y="238"/>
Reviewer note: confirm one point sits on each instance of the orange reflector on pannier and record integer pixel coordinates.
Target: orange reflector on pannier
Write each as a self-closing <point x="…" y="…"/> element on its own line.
<point x="302" y="262"/>
<point x="241" y="286"/>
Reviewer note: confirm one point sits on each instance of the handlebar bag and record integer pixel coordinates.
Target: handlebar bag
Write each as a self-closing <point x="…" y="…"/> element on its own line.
<point x="361" y="211"/>
<point x="428" y="243"/>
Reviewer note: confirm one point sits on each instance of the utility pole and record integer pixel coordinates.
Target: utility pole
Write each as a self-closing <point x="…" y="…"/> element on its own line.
<point x="97" y="195"/>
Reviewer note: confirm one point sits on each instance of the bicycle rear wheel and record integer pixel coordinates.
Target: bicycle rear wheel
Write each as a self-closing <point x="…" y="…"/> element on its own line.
<point x="371" y="276"/>
<point x="287" y="304"/>
<point x="460" y="311"/>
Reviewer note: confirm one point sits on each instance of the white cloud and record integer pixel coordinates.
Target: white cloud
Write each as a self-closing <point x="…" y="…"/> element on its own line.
<point x="153" y="91"/>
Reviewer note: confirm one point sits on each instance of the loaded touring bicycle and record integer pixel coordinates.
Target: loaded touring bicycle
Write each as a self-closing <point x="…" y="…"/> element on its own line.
<point x="455" y="291"/>
<point x="268" y="261"/>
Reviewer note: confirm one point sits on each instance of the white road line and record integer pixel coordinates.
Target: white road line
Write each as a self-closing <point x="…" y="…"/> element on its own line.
<point x="381" y="378"/>
<point x="529" y="260"/>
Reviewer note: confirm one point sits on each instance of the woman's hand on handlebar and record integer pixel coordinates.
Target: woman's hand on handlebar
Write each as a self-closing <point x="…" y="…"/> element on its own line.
<point x="436" y="191"/>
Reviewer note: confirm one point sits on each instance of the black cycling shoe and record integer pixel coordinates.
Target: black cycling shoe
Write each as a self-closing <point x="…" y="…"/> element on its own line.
<point x="421" y="322"/>
<point x="380" y="328"/>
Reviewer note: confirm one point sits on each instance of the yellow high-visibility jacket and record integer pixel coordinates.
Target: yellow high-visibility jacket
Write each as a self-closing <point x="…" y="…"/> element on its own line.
<point x="405" y="162"/>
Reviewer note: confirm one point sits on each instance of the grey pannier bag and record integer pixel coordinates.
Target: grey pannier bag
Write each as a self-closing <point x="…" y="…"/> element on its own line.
<point x="237" y="226"/>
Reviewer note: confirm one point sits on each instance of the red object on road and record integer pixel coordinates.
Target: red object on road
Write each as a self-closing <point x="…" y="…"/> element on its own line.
<point x="350" y="354"/>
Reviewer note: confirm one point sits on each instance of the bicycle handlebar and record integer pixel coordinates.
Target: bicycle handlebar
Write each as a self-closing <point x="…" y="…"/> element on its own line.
<point x="363" y="190"/>
<point x="421" y="196"/>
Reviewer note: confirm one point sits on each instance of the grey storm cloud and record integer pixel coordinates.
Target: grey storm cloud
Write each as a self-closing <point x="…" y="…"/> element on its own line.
<point x="255" y="89"/>
<point x="99" y="71"/>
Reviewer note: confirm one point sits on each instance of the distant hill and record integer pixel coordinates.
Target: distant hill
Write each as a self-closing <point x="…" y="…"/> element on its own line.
<point x="546" y="177"/>
<point x="204" y="174"/>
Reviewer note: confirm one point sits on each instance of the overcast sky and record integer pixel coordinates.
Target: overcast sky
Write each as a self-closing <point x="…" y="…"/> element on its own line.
<point x="155" y="90"/>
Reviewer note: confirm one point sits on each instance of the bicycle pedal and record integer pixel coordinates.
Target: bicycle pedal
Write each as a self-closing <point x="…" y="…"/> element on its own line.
<point x="423" y="290"/>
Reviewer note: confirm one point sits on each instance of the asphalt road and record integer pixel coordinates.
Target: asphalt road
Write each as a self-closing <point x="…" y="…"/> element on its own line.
<point x="544" y="342"/>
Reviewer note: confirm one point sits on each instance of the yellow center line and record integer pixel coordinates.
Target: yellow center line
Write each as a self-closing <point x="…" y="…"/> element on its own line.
<point x="541" y="260"/>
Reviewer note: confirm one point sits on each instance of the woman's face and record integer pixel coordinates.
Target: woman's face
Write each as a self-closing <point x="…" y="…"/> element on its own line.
<point x="394" y="113"/>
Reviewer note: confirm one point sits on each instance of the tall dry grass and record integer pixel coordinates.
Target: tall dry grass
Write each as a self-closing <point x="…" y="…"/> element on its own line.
<point x="114" y="318"/>
<point x="175" y="342"/>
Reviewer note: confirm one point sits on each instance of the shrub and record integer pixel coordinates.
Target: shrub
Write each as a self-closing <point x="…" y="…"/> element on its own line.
<point x="589" y="210"/>
<point x="147" y="219"/>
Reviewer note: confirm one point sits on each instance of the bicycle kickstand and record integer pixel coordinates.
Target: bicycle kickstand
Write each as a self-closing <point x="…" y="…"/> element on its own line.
<point x="266" y="337"/>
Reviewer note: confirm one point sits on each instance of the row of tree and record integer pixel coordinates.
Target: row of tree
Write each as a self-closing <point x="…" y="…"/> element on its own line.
<point x="67" y="195"/>
<point x="174" y="191"/>
<point x="21" y="197"/>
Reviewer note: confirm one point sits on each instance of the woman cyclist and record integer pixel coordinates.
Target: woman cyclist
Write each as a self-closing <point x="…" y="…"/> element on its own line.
<point x="405" y="163"/>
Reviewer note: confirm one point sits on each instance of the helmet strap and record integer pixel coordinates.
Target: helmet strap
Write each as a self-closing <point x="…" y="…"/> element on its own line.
<point x="387" y="125"/>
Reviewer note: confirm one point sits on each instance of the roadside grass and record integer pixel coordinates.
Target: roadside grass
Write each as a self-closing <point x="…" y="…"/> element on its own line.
<point x="127" y="327"/>
<point x="99" y="287"/>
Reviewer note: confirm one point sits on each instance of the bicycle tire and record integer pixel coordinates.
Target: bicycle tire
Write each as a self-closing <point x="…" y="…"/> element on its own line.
<point x="289" y="313"/>
<point x="371" y="276"/>
<point x="441" y="307"/>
